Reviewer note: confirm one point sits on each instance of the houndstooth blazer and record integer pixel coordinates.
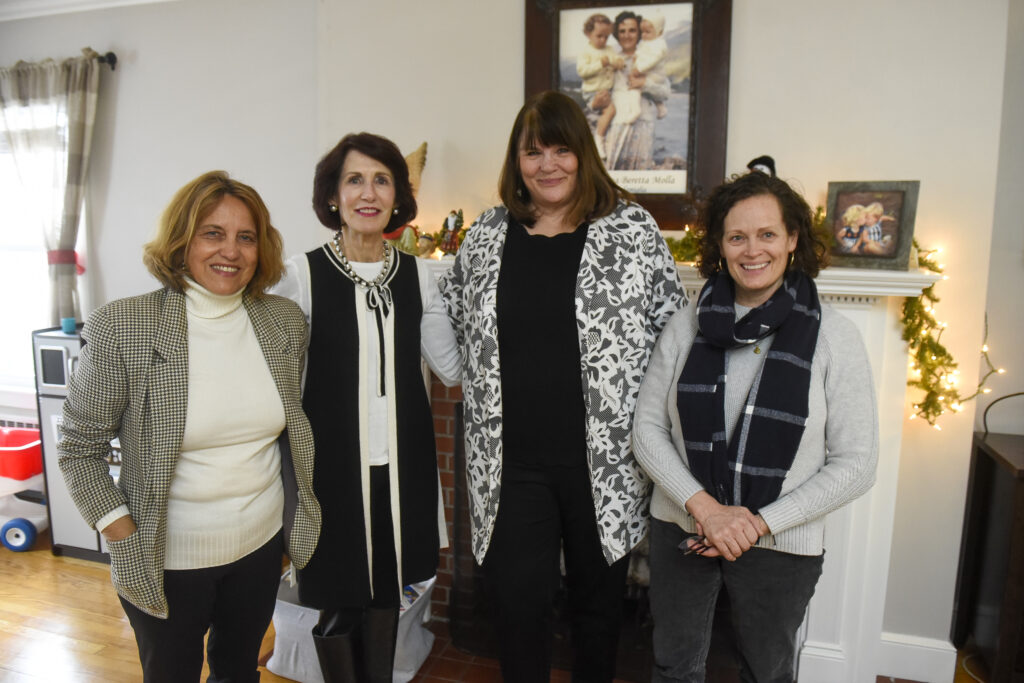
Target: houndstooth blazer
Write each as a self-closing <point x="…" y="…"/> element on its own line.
<point x="131" y="383"/>
<point x="626" y="290"/>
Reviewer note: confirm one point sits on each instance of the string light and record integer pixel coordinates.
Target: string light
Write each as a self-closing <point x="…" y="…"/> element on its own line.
<point x="933" y="369"/>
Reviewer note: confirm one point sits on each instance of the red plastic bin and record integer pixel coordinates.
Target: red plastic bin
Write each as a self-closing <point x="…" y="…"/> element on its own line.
<point x="21" y="455"/>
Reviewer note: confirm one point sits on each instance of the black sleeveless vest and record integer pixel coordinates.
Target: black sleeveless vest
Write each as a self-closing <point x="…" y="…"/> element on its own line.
<point x="336" y="575"/>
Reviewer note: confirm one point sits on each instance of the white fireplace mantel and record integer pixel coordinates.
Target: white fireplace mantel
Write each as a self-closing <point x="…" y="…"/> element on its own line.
<point x="842" y="634"/>
<point x="832" y="282"/>
<point x="845" y="282"/>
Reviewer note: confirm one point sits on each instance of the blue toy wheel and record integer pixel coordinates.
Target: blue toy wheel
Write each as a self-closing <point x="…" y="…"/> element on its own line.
<point x="18" y="534"/>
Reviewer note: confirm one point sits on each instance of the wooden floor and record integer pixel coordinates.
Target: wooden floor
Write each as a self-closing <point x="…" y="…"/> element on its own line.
<point x="60" y="620"/>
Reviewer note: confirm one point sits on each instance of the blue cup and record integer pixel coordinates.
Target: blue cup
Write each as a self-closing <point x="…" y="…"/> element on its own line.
<point x="67" y="325"/>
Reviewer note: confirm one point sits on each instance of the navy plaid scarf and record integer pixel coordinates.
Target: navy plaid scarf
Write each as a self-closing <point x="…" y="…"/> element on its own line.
<point x="750" y="469"/>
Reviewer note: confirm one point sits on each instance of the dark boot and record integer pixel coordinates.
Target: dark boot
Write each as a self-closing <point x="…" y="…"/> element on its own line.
<point x="339" y="656"/>
<point x="380" y="631"/>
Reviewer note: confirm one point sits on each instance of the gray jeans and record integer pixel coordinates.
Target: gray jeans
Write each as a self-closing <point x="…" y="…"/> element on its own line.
<point x="768" y="592"/>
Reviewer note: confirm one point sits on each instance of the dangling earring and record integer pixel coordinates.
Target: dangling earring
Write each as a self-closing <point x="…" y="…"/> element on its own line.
<point x="722" y="265"/>
<point x="332" y="207"/>
<point x="792" y="257"/>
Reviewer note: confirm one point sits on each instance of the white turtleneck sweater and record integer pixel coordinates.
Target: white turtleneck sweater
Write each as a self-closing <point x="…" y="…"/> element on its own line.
<point x="226" y="498"/>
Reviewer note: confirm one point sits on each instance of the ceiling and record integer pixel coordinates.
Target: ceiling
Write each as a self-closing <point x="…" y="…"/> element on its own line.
<point x="25" y="9"/>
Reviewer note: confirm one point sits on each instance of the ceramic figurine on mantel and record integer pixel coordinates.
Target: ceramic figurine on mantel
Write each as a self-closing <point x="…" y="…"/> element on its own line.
<point x="404" y="238"/>
<point x="425" y="246"/>
<point x="450" y="230"/>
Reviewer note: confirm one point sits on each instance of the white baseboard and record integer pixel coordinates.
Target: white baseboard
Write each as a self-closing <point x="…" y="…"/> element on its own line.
<point x="822" y="663"/>
<point x="913" y="658"/>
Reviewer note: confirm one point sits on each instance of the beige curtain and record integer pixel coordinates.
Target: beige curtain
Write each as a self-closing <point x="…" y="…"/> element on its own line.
<point x="47" y="113"/>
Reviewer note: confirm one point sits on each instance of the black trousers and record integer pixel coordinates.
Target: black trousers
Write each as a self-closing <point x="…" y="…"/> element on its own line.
<point x="768" y="596"/>
<point x="544" y="512"/>
<point x="235" y="602"/>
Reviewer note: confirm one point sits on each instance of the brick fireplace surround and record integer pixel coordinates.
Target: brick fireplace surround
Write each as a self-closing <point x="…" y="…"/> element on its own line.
<point x="443" y="401"/>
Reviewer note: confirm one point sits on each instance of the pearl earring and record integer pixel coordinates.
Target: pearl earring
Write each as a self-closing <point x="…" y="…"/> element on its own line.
<point x="395" y="212"/>
<point x="333" y="207"/>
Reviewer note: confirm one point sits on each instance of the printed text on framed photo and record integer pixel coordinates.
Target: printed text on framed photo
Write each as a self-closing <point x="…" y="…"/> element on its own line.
<point x="652" y="79"/>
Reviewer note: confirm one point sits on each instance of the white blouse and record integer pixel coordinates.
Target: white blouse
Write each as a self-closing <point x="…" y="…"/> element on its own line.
<point x="437" y="339"/>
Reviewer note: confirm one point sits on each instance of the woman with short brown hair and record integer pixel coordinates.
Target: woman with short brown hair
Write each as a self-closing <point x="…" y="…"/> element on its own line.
<point x="374" y="312"/>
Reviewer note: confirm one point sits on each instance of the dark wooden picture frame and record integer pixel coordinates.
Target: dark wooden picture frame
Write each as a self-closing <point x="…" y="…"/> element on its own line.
<point x="709" y="91"/>
<point x="886" y="208"/>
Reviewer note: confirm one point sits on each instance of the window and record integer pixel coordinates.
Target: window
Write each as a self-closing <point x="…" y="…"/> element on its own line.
<point x="24" y="280"/>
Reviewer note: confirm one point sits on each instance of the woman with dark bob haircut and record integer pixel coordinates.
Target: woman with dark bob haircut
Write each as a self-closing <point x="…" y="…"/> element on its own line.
<point x="557" y="298"/>
<point x="200" y="381"/>
<point x="756" y="419"/>
<point x="373" y="312"/>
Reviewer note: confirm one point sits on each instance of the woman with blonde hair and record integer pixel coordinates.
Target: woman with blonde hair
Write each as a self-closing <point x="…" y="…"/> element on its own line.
<point x="200" y="382"/>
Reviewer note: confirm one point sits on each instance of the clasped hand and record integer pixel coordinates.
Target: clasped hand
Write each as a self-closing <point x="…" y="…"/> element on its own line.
<point x="728" y="530"/>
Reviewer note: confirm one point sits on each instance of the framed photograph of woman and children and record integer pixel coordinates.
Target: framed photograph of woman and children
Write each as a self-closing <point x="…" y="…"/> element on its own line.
<point x="873" y="223"/>
<point x="652" y="79"/>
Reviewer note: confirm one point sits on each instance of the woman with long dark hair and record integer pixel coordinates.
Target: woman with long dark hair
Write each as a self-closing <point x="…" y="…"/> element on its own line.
<point x="557" y="298"/>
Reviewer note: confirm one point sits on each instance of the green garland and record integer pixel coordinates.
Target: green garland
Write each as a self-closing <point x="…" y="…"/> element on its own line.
<point x="933" y="369"/>
<point x="684" y="249"/>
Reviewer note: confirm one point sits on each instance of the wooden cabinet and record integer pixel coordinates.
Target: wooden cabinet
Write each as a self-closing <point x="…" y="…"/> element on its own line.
<point x="989" y="605"/>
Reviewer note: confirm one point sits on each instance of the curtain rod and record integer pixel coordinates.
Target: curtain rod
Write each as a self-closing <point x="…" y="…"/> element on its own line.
<point x="109" y="58"/>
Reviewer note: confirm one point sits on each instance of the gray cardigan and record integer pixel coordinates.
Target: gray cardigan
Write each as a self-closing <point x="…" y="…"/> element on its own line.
<point x="834" y="464"/>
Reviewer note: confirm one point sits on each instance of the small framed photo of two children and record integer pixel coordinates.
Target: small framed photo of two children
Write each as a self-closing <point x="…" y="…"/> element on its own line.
<point x="652" y="80"/>
<point x="873" y="223"/>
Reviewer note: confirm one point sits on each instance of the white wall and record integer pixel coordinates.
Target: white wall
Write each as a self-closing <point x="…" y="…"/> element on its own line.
<point x="880" y="90"/>
<point x="1006" y="269"/>
<point x="873" y="90"/>
<point x="450" y="72"/>
<point x="199" y="85"/>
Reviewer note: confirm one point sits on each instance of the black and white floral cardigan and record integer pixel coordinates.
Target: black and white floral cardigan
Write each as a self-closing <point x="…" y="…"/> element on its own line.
<point x="626" y="291"/>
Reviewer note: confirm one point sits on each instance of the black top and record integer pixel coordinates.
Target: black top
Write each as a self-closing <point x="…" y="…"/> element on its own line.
<point x="543" y="411"/>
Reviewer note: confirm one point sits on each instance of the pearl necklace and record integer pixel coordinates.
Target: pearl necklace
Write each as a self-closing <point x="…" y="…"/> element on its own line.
<point x="352" y="274"/>
<point x="378" y="295"/>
